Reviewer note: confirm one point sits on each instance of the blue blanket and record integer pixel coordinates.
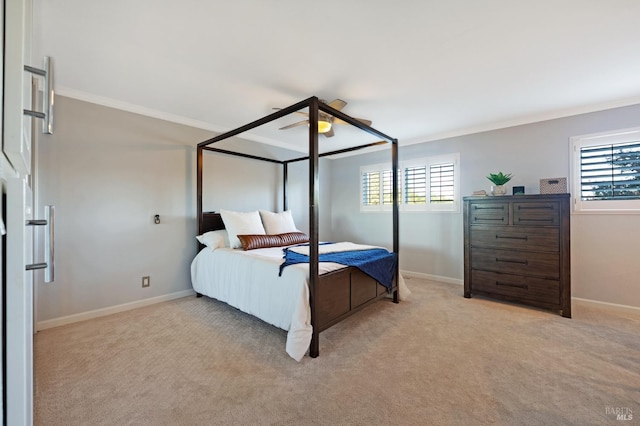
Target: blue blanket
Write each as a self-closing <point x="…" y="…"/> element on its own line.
<point x="379" y="264"/>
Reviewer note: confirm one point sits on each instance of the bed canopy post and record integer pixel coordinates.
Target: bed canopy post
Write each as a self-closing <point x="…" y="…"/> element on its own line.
<point x="314" y="349"/>
<point x="396" y="212"/>
<point x="199" y="189"/>
<point x="285" y="181"/>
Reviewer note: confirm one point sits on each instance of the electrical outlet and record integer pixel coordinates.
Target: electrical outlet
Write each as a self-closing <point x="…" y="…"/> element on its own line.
<point x="146" y="282"/>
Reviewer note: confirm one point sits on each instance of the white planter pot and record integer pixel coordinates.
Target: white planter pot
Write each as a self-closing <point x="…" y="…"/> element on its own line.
<point x="498" y="190"/>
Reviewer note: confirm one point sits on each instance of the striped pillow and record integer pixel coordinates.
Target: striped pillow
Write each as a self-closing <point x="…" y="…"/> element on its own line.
<point x="255" y="241"/>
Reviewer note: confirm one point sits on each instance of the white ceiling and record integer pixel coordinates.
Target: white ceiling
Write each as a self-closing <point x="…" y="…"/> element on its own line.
<point x="419" y="69"/>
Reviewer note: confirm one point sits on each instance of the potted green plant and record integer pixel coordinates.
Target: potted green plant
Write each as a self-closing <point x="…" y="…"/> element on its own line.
<point x="498" y="180"/>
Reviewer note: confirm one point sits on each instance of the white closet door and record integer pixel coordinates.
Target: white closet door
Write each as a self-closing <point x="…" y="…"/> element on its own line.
<point x="2" y="224"/>
<point x="16" y="147"/>
<point x="19" y="306"/>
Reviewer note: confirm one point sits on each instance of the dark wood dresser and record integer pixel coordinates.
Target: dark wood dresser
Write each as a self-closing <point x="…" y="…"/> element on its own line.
<point x="517" y="248"/>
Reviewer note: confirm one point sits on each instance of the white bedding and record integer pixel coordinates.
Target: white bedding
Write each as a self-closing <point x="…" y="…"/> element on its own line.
<point x="249" y="281"/>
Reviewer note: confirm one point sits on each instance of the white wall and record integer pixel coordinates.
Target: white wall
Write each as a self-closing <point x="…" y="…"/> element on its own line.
<point x="108" y="172"/>
<point x="604" y="247"/>
<point x="239" y="184"/>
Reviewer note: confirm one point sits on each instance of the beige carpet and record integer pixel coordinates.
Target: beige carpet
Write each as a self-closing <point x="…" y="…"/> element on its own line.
<point x="435" y="359"/>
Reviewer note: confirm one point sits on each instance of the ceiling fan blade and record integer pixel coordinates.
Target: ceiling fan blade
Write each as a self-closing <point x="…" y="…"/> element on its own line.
<point x="336" y="120"/>
<point x="329" y="134"/>
<point x="306" y="114"/>
<point x="299" y="123"/>
<point x="337" y="104"/>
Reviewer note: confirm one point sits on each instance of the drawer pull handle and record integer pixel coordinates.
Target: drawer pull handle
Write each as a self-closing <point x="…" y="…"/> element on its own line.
<point x="488" y="207"/>
<point x="534" y="220"/>
<point x="522" y="286"/>
<point x="547" y="207"/>
<point x="485" y="219"/>
<point x="512" y="237"/>
<point x="522" y="262"/>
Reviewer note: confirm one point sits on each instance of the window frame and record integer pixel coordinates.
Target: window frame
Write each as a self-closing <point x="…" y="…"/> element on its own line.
<point x="428" y="206"/>
<point x="580" y="206"/>
<point x="445" y="159"/>
<point x="381" y="169"/>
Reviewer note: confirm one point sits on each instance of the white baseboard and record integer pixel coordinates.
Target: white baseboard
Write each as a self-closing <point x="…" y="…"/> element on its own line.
<point x="70" y="319"/>
<point x="606" y="304"/>
<point x="461" y="282"/>
<point x="432" y="277"/>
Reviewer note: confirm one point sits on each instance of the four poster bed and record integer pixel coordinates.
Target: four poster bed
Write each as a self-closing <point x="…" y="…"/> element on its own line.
<point x="311" y="289"/>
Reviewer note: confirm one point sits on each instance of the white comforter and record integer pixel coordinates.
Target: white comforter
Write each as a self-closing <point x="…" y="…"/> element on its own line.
<point x="249" y="281"/>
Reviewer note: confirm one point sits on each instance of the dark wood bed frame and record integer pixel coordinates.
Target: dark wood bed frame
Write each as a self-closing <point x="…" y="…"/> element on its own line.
<point x="336" y="295"/>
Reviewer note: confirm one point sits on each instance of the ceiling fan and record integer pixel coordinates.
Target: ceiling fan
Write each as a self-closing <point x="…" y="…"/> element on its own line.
<point x="326" y="121"/>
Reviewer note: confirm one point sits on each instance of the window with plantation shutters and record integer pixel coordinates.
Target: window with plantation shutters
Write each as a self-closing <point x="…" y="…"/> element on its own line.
<point x="442" y="183"/>
<point x="424" y="184"/>
<point x="609" y="172"/>
<point x="415" y="185"/>
<point x="371" y="188"/>
<point x="606" y="171"/>
<point x="387" y="187"/>
<point x="376" y="188"/>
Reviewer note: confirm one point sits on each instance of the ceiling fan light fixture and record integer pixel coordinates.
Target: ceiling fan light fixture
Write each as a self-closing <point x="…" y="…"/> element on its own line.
<point x="325" y="120"/>
<point x="323" y="126"/>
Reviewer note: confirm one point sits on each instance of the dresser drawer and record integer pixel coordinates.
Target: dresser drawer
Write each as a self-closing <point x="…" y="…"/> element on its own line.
<point x="530" y="288"/>
<point x="545" y="265"/>
<point x="516" y="237"/>
<point x="489" y="213"/>
<point x="536" y="213"/>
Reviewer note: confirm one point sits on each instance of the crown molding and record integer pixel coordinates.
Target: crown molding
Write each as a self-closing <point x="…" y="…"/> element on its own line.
<point x="526" y="119"/>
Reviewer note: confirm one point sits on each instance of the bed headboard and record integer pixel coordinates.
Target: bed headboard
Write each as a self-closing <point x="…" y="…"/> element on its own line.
<point x="211" y="221"/>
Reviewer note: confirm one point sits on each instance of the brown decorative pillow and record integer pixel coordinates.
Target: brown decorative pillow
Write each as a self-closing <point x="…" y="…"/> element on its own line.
<point x="253" y="241"/>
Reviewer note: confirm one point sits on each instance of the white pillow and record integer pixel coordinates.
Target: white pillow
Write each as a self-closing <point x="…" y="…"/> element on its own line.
<point x="277" y="223"/>
<point x="214" y="239"/>
<point x="241" y="223"/>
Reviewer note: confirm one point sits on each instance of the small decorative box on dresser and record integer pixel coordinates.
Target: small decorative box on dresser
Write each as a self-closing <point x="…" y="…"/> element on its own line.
<point x="516" y="248"/>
